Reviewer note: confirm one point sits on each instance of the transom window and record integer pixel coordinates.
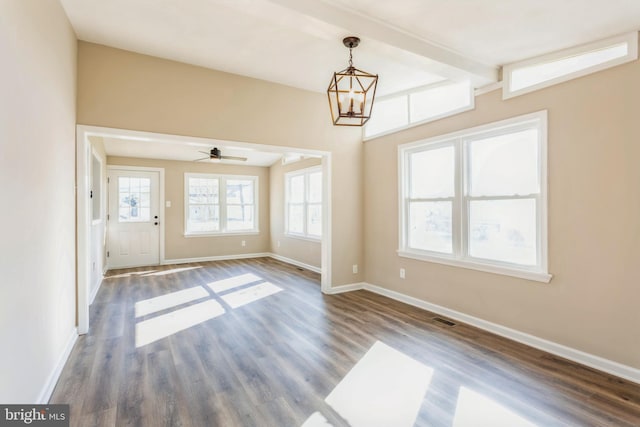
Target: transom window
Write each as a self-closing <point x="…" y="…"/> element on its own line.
<point x="303" y="203"/>
<point x="220" y="204"/>
<point x="420" y="105"/>
<point x="477" y="198"/>
<point x="546" y="70"/>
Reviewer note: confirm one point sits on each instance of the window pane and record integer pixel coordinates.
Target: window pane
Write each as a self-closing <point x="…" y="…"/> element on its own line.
<point x="503" y="230"/>
<point x="505" y="165"/>
<point x="296" y="189"/>
<point x="296" y="219"/>
<point x="314" y="220"/>
<point x="203" y="190"/>
<point x="239" y="191"/>
<point x="145" y="200"/>
<point x="387" y="115"/>
<point x="315" y="187"/>
<point x="430" y="226"/>
<point x="538" y="73"/>
<point x="239" y="217"/>
<point x="123" y="183"/>
<point x="134" y="196"/>
<point x="432" y="173"/>
<point x="439" y="100"/>
<point x="203" y="218"/>
<point x="134" y="184"/>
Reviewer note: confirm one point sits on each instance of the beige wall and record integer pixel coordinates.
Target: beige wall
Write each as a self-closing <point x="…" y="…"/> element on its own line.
<point x="37" y="177"/>
<point x="177" y="246"/>
<point x="126" y="90"/>
<point x="593" y="302"/>
<point x="302" y="250"/>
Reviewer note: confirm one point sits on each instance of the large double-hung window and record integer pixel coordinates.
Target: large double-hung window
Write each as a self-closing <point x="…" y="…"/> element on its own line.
<point x="303" y="203"/>
<point x="218" y="204"/>
<point x="477" y="198"/>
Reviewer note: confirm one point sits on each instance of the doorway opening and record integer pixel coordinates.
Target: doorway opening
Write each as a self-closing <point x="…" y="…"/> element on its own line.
<point x="128" y="187"/>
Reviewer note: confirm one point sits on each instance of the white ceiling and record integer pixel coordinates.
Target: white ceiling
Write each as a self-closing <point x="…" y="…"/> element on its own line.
<point x="409" y="43"/>
<point x="177" y="149"/>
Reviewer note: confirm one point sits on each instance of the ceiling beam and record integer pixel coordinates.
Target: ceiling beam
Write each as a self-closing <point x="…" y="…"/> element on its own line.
<point x="453" y="64"/>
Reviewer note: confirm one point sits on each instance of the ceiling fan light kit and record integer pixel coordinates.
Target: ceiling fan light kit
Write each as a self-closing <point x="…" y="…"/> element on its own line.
<point x="216" y="154"/>
<point x="351" y="92"/>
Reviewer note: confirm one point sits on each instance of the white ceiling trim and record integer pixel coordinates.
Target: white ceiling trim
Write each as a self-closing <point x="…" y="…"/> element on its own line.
<point x="445" y="61"/>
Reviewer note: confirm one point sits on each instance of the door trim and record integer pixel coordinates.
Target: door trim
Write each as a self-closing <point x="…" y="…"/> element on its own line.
<point x="161" y="203"/>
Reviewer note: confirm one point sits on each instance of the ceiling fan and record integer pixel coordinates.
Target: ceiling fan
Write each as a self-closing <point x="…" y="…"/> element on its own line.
<point x="216" y="154"/>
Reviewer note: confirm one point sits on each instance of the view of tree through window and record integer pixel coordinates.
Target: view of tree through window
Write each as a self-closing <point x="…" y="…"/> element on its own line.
<point x="220" y="204"/>
<point x="478" y="196"/>
<point x="303" y="210"/>
<point x="134" y="195"/>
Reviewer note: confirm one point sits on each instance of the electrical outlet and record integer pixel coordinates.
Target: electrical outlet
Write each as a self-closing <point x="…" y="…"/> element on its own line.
<point x="402" y="273"/>
<point x="244" y="243"/>
<point x="355" y="268"/>
<point x="278" y="243"/>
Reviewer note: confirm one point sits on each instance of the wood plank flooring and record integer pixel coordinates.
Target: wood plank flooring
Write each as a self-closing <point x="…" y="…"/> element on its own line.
<point x="274" y="361"/>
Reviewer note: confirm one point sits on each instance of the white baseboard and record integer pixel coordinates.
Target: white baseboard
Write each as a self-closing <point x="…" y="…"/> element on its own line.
<point x="95" y="290"/>
<point x="296" y="263"/>
<point x="214" y="258"/>
<point x="346" y="288"/>
<point x="596" y="362"/>
<point x="52" y="380"/>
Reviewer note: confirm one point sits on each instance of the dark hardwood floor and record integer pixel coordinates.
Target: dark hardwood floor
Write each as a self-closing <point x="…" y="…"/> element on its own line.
<point x="238" y="352"/>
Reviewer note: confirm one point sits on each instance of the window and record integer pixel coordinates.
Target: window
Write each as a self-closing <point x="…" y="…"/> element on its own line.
<point x="220" y="204"/>
<point x="547" y="70"/>
<point x="417" y="106"/>
<point x="477" y="198"/>
<point x="303" y="203"/>
<point x="135" y="199"/>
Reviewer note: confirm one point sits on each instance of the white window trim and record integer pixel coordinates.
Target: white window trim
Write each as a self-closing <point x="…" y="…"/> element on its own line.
<point x="631" y="39"/>
<point x="537" y="273"/>
<point x="287" y="177"/>
<point x="410" y="124"/>
<point x="222" y="180"/>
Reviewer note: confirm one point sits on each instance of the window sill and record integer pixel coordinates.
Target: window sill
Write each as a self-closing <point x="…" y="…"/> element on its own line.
<point x="487" y="268"/>
<point x="223" y="234"/>
<point x="302" y="237"/>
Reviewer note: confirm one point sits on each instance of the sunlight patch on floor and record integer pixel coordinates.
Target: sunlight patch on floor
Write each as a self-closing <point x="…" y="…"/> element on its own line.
<point x="317" y="420"/>
<point x="130" y="274"/>
<point x="233" y="282"/>
<point x="159" y="327"/>
<point x="385" y="388"/>
<point x="171" y="271"/>
<point x="474" y="409"/>
<point x="248" y="295"/>
<point x="172" y="299"/>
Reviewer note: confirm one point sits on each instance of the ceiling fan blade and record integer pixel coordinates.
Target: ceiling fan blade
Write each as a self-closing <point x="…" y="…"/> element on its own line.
<point x="242" y="159"/>
<point x="205" y="152"/>
<point x="204" y="158"/>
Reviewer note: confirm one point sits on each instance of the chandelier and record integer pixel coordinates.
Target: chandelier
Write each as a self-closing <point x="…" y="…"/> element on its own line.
<point x="351" y="92"/>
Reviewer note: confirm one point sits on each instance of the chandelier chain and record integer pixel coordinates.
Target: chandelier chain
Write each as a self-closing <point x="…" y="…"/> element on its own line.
<point x="350" y="58"/>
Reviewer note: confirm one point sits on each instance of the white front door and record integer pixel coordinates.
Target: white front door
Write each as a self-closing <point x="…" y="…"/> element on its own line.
<point x="134" y="218"/>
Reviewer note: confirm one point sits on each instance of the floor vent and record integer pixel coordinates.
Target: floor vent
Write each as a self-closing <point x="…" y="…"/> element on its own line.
<point x="444" y="321"/>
